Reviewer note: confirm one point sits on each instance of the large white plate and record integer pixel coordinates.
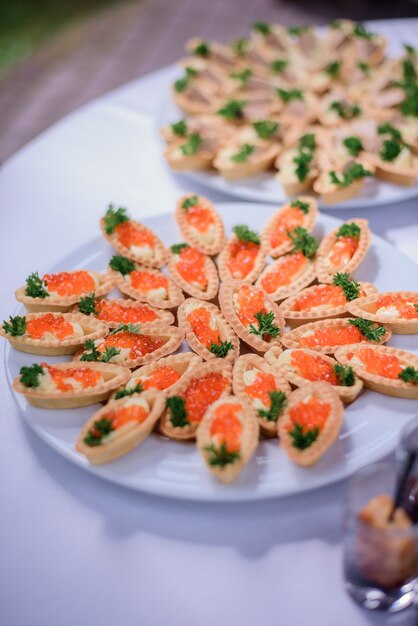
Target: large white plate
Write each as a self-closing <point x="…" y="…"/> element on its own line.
<point x="172" y="469"/>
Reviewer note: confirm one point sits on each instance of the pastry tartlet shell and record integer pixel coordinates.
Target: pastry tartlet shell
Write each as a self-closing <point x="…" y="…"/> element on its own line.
<point x="211" y="274"/>
<point x="287" y="246"/>
<point x="301" y="280"/>
<point x="158" y="259"/>
<point x="165" y="318"/>
<point x="399" y="326"/>
<point x="188" y="232"/>
<point x="175" y="295"/>
<point x="224" y="258"/>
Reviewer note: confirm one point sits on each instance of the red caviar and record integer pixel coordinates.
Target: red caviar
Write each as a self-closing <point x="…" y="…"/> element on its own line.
<point x="129" y="235"/>
<point x="226" y="426"/>
<point x="332" y="336"/>
<point x="57" y="325"/>
<point x="138" y="345"/>
<point x="342" y="251"/>
<point x="311" y="414"/>
<point x="261" y="388"/>
<point x="249" y="302"/>
<point x="201" y="393"/>
<point x="191" y="266"/>
<point x="70" y="283"/>
<point x="242" y="257"/>
<point x="313" y="367"/>
<point x="406" y="308"/>
<point x="287" y="220"/>
<point x="116" y="313"/>
<point x="199" y="218"/>
<point x="322" y="295"/>
<point x="387" y="365"/>
<point x="125" y="414"/>
<point x="199" y="320"/>
<point x="86" y="376"/>
<point x="284" y="273"/>
<point x="161" y="378"/>
<point x="147" y="281"/>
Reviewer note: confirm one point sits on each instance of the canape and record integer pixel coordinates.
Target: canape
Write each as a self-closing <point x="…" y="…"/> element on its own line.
<point x="297" y="171"/>
<point x="243" y="256"/>
<point x="242" y="160"/>
<point x="192" y="271"/>
<point x="395" y="163"/>
<point x="338" y="183"/>
<point x="286" y="276"/>
<point x="122" y="311"/>
<point x="194" y="153"/>
<point x="397" y="310"/>
<point x="298" y="213"/>
<point x="200" y="224"/>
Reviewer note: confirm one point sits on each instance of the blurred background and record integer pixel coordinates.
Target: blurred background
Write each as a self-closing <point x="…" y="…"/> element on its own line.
<point x="56" y="55"/>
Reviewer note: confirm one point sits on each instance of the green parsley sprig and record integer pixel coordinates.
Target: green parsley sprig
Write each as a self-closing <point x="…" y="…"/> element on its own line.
<point x="35" y="286"/>
<point x="266" y="327"/>
<point x="233" y="109"/>
<point x="278" y="401"/>
<point x="287" y="95"/>
<point x="351" y="288"/>
<point x="87" y="305"/>
<point x="344" y="374"/>
<point x="16" y="326"/>
<point x="127" y="328"/>
<point x="128" y="391"/>
<point x="303" y="206"/>
<point x="177" y="409"/>
<point x="279" y="65"/>
<point x="29" y="375"/>
<point x="351" y="173"/>
<point x="221" y="456"/>
<point x="192" y="144"/>
<point x="113" y="217"/>
<point x="189" y="202"/>
<point x="243" y="153"/>
<point x="301" y="438"/>
<point x="243" y="76"/>
<point x="220" y="350"/>
<point x="303" y="242"/>
<point x="354" y="145"/>
<point x="351" y="229"/>
<point x="243" y="233"/>
<point x="345" y="110"/>
<point x="121" y="264"/>
<point x="100" y="429"/>
<point x="178" y="247"/>
<point x="302" y="161"/>
<point x="333" y="69"/>
<point x="409" y="375"/>
<point x="368" y="329"/>
<point x="265" y="128"/>
<point x="179" y="128"/>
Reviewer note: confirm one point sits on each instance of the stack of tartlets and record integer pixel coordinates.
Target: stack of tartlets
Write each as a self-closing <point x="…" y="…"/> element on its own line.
<point x="213" y="343"/>
<point x="321" y="110"/>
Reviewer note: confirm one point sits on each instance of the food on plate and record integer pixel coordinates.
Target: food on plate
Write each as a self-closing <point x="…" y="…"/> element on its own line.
<point x="300" y="213"/>
<point x="194" y="272"/>
<point x="122" y="311"/>
<point x="397" y="310"/>
<point x="200" y="223"/>
<point x="342" y="250"/>
<point x="243" y="256"/>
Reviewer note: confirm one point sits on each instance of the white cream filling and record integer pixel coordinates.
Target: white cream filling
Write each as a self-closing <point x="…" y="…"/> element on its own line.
<point x="404" y="159"/>
<point x="123" y="354"/>
<point x="192" y="306"/>
<point x="49" y="336"/>
<point x="129" y="425"/>
<point x="145" y="251"/>
<point x="47" y="383"/>
<point x="388" y="311"/>
<point x="208" y="236"/>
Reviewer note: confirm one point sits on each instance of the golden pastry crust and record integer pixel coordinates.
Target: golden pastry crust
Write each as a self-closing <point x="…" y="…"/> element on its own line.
<point x="179" y="162"/>
<point x="251" y="167"/>
<point x="158" y="258"/>
<point x="128" y="439"/>
<point x="323" y="271"/>
<point x="301" y="280"/>
<point x="173" y="336"/>
<point x="324" y="393"/>
<point x="389" y="386"/>
<point x="248" y="362"/>
<point x="175" y="295"/>
<point x="308" y="223"/>
<point x="226" y="300"/>
<point x="164" y="318"/>
<point x="291" y="339"/>
<point x="224" y="260"/>
<point x="191" y="235"/>
<point x="114" y="376"/>
<point x="225" y="331"/>
<point x="248" y="440"/>
<point x="54" y="303"/>
<point x="183" y="362"/>
<point x="392" y="173"/>
<point x="297" y="318"/>
<point x="282" y="361"/>
<point x="336" y="194"/>
<point x="211" y="273"/>
<point x="366" y="307"/>
<point x="92" y="329"/>
<point x="188" y="431"/>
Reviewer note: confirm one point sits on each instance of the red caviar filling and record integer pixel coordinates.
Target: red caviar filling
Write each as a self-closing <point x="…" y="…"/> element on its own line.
<point x="130" y="235"/>
<point x="287" y="220"/>
<point x="84" y="375"/>
<point x="261" y="388"/>
<point x="161" y="378"/>
<point x="226" y="426"/>
<point x="146" y="281"/>
<point x="199" y="320"/>
<point x="242" y="257"/>
<point x="201" y="393"/>
<point x="406" y="308"/>
<point x="309" y="415"/>
<point x="49" y="323"/>
<point x="191" y="266"/>
<point x="116" y="313"/>
<point x="199" y="218"/>
<point x="138" y="345"/>
<point x="342" y="251"/>
<point x="387" y="365"/>
<point x="126" y="414"/>
<point x="69" y="283"/>
<point x="332" y="336"/>
<point x="249" y="302"/>
<point x="284" y="272"/>
<point x="323" y="295"/>
<point x="312" y="367"/>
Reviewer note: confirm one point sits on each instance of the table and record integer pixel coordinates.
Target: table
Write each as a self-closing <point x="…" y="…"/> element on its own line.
<point x="76" y="550"/>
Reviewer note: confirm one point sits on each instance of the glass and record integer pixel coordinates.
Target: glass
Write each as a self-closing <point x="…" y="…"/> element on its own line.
<point x="409" y="443"/>
<point x="380" y="564"/>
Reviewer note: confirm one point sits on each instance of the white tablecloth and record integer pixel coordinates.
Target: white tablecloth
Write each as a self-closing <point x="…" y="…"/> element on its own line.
<point x="76" y="550"/>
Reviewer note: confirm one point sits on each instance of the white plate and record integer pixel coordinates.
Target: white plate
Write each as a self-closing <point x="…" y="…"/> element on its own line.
<point x="166" y="468"/>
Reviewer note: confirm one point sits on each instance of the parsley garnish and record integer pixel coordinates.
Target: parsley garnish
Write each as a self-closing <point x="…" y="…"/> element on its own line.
<point x="244" y="152"/>
<point x="179" y="128"/>
<point x="245" y="234"/>
<point x="333" y="69"/>
<point x="178" y="413"/>
<point x="307" y="141"/>
<point x="121" y="264"/>
<point x="233" y="109"/>
<point x="359" y="30"/>
<point x="178" y="247"/>
<point x="302" y="439"/>
<point x="410" y="105"/>
<point x="221" y="456"/>
<point x="290" y="94"/>
<point x="390" y="150"/>
<point x="190" y="202"/>
<point x="303" y="206"/>
<point x="344" y="374"/>
<point x="265" y="325"/>
<point x="127" y="328"/>
<point x="108" y="354"/>
<point x="352" y="173"/>
<point x="351" y="288"/>
<point x="367" y="329"/>
<point x="335" y="24"/>
<point x="87" y="305"/>
<point x="113" y="218"/>
<point x="409" y="71"/>
<point x="34" y="287"/>
<point x="265" y="128"/>
<point x="191" y="146"/>
<point x="303" y="242"/>
<point x="409" y="49"/>
<point x="220" y="350"/>
<point x="239" y="46"/>
<point x="279" y="65"/>
<point x="409" y="375"/>
<point x="302" y="161"/>
<point x="262" y="27"/>
<point x="122" y="393"/>
<point x="91" y="352"/>
<point x="388" y="129"/>
<point x="344" y="110"/>
<point x="242" y="76"/>
<point x="349" y="230"/>
<point x="16" y="326"/>
<point x="278" y="401"/>
<point x="353" y="145"/>
<point x="29" y="376"/>
<point x="296" y="31"/>
<point x="98" y="431"/>
<point x="365" y="67"/>
<point x="182" y="83"/>
<point x="202" y="49"/>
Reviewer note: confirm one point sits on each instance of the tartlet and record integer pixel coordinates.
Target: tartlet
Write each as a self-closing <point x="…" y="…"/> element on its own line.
<point x="263" y="387"/>
<point x="227" y="437"/>
<point x="52" y="334"/>
<point x="397" y="310"/>
<point x="258" y="158"/>
<point x="38" y="385"/>
<point x="287" y="275"/>
<point x="396" y="172"/>
<point x="298" y="213"/>
<point x="243" y="256"/>
<point x="194" y="272"/>
<point x="310" y="423"/>
<point x="380" y="368"/>
<point x="119" y="427"/>
<point x="207" y="331"/>
<point x="241" y="303"/>
<point x="200" y="223"/>
<point x="122" y="311"/>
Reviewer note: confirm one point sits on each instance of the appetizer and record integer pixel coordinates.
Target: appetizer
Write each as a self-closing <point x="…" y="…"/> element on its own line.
<point x="342" y="250"/>
<point x="122" y="311"/>
<point x="194" y="272"/>
<point x="397" y="310"/>
<point x="243" y="257"/>
<point x="277" y="234"/>
<point x="200" y="224"/>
